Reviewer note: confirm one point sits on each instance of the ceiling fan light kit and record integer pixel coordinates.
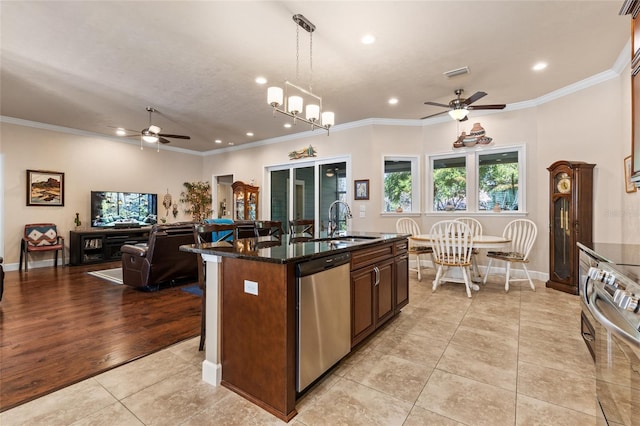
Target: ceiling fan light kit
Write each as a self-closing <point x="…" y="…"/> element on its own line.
<point x="293" y="105"/>
<point x="459" y="113"/>
<point x="459" y="107"/>
<point x="151" y="134"/>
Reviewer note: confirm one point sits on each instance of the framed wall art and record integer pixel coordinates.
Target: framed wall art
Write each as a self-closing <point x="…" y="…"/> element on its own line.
<point x="629" y="186"/>
<point x="361" y="189"/>
<point x="45" y="188"/>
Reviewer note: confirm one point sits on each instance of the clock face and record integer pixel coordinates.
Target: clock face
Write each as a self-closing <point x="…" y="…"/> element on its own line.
<point x="564" y="183"/>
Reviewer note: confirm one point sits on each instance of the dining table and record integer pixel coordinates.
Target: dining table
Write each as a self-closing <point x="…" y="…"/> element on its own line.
<point x="489" y="242"/>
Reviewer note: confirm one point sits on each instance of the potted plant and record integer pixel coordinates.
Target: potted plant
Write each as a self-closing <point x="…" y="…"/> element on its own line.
<point x="197" y="197"/>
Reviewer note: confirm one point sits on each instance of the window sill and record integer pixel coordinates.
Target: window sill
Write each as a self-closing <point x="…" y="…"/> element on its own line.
<point x="401" y="214"/>
<point x="509" y="213"/>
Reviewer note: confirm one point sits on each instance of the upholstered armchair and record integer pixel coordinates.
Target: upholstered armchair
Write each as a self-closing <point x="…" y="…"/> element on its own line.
<point x="160" y="261"/>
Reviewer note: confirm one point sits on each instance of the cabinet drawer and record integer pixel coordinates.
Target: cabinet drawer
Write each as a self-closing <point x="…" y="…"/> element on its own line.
<point x="368" y="256"/>
<point x="401" y="247"/>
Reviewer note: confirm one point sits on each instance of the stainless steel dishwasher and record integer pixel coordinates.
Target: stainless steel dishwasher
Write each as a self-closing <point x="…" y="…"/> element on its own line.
<point x="324" y="315"/>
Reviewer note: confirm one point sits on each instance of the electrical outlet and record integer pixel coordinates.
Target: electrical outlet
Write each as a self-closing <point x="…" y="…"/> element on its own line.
<point x="251" y="287"/>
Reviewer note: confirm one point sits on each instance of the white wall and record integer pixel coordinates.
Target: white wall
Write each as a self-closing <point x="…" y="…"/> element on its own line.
<point x="88" y="164"/>
<point x="592" y="125"/>
<point x="583" y="126"/>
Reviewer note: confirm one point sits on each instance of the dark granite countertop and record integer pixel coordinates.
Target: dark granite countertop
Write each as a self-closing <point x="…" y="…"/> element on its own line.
<point x="286" y="250"/>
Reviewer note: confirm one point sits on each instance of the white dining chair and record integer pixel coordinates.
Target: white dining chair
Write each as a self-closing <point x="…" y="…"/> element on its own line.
<point x="476" y="230"/>
<point x="474" y="225"/>
<point x="452" y="245"/>
<point x="407" y="225"/>
<point x="522" y="233"/>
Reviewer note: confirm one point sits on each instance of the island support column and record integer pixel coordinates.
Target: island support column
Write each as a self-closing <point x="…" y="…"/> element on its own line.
<point x="212" y="365"/>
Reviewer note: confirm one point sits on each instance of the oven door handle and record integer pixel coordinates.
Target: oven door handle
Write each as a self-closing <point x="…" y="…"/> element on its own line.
<point x="606" y="323"/>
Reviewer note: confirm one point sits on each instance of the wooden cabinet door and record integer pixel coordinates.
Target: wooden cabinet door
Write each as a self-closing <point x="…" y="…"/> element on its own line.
<point x="402" y="281"/>
<point x="384" y="292"/>
<point x="362" y="295"/>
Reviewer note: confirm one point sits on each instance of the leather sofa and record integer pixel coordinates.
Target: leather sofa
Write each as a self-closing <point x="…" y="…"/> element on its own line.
<point x="160" y="262"/>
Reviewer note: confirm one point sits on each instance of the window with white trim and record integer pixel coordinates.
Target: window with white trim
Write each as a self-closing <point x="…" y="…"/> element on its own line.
<point x="482" y="180"/>
<point x="401" y="184"/>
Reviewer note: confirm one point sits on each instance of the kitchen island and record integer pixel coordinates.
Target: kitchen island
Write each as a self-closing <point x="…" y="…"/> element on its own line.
<point x="251" y="307"/>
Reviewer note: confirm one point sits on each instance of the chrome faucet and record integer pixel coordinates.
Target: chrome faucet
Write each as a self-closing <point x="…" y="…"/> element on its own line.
<point x="333" y="225"/>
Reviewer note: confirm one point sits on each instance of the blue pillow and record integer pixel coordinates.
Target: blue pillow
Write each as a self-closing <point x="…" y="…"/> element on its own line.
<point x="224" y="235"/>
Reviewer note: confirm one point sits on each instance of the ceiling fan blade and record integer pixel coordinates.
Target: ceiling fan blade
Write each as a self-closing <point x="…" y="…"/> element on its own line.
<point x="474" y="98"/>
<point x="174" y="136"/>
<point x="434" y="115"/>
<point x="436" y="104"/>
<point x="494" y="106"/>
<point x="163" y="140"/>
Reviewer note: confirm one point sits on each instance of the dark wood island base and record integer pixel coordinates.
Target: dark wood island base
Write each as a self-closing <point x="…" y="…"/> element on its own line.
<point x="257" y="299"/>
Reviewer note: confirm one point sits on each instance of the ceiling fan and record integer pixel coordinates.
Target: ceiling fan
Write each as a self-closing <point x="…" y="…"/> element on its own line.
<point x="459" y="108"/>
<point x="152" y="133"/>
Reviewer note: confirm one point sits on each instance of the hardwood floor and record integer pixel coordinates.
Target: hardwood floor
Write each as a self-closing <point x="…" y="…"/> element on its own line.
<point x="61" y="325"/>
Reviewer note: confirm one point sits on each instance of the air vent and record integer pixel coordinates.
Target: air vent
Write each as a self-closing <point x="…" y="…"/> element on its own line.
<point x="456" y="72"/>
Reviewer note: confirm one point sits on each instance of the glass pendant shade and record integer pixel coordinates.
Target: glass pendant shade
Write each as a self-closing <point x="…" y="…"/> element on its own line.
<point x="313" y="112"/>
<point x="328" y="118"/>
<point x="274" y="96"/>
<point x="295" y="104"/>
<point x="150" y="138"/>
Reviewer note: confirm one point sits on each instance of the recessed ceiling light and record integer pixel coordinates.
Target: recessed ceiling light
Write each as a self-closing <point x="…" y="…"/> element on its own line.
<point x="539" y="66"/>
<point x="120" y="131"/>
<point x="287" y="125"/>
<point x="261" y="80"/>
<point x="393" y="101"/>
<point x="218" y="141"/>
<point x="249" y="134"/>
<point x="230" y="143"/>
<point x="368" y="39"/>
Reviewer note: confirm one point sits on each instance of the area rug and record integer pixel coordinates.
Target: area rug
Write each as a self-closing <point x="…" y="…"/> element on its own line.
<point x="114" y="276"/>
<point x="193" y="289"/>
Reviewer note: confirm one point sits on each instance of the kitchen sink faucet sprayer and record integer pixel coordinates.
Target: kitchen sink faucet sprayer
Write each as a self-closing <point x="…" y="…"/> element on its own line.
<point x="333" y="225"/>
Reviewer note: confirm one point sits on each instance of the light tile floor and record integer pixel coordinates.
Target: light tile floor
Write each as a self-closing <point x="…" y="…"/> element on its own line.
<point x="495" y="359"/>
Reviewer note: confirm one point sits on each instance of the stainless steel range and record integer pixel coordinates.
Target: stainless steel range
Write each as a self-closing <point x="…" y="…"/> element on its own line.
<point x="610" y="298"/>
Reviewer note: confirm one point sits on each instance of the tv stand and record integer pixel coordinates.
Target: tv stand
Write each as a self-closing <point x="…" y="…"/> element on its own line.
<point x="99" y="245"/>
<point x="126" y="225"/>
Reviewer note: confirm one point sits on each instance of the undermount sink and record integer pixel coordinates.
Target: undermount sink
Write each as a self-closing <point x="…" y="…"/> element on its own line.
<point x="354" y="238"/>
<point x="347" y="239"/>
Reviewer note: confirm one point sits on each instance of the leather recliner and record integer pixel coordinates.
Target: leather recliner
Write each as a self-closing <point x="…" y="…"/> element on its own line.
<point x="1" y="278"/>
<point x="160" y="261"/>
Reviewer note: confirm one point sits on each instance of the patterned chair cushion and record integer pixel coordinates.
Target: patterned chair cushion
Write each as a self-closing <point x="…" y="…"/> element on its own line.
<point x="41" y="235"/>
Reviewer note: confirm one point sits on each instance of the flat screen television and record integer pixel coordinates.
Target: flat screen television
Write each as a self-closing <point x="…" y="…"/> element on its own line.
<point x="123" y="209"/>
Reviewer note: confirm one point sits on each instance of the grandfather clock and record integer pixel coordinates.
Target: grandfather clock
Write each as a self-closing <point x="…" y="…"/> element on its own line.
<point x="570" y="221"/>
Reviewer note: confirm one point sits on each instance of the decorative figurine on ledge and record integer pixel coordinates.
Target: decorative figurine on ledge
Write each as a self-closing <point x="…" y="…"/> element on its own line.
<point x="302" y="153"/>
<point x="476" y="136"/>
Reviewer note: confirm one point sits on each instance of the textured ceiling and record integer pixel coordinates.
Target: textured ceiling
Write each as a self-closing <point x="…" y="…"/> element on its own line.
<point x="96" y="65"/>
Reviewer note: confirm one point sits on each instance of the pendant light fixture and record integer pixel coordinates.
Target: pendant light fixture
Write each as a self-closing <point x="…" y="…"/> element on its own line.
<point x="293" y="104"/>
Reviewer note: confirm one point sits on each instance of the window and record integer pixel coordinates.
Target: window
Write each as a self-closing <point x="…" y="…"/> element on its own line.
<point x="401" y="185"/>
<point x="478" y="181"/>
<point x="450" y="184"/>
<point x="498" y="177"/>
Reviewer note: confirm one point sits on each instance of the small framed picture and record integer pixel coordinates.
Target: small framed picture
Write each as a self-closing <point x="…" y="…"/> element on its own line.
<point x="361" y="189"/>
<point x="629" y="186"/>
<point x="45" y="188"/>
